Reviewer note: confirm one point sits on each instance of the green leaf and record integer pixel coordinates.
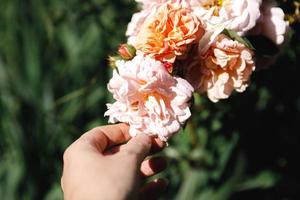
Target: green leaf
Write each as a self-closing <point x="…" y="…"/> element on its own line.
<point x="234" y="36"/>
<point x="265" y="180"/>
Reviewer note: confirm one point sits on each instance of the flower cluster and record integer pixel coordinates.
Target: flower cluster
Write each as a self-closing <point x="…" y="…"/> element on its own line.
<point x="177" y="47"/>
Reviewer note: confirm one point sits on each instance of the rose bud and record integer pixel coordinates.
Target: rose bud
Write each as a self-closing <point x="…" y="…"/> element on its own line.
<point x="126" y="51"/>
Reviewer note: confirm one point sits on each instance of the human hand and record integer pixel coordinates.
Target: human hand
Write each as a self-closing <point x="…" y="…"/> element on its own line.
<point x="95" y="168"/>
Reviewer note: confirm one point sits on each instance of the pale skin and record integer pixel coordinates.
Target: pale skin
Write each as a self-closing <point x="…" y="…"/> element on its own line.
<point x="106" y="163"/>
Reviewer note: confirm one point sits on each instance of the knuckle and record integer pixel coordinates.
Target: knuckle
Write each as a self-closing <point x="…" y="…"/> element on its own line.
<point x="95" y="129"/>
<point x="140" y="145"/>
<point x="143" y="144"/>
<point x="87" y="135"/>
<point x="67" y="154"/>
<point x="130" y="151"/>
<point x="137" y="148"/>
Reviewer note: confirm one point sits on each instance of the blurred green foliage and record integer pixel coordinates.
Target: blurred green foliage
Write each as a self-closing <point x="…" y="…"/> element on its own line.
<point x="53" y="75"/>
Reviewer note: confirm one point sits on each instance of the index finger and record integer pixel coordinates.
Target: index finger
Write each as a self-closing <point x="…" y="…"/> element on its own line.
<point x="104" y="137"/>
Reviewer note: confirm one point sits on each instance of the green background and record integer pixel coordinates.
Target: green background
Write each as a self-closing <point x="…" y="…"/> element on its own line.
<point x="53" y="76"/>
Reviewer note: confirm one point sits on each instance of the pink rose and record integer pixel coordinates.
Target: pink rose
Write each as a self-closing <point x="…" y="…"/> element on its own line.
<point x="271" y="23"/>
<point x="148" y="98"/>
<point x="238" y="15"/>
<point x="225" y="67"/>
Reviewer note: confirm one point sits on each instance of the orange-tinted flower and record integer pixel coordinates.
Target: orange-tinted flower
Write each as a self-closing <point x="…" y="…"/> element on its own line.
<point x="168" y="32"/>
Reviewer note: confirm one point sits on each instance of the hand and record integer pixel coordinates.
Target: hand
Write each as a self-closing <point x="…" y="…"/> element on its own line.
<point x="96" y="168"/>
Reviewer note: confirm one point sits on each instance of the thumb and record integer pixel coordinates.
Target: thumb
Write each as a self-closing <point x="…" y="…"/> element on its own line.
<point x="138" y="147"/>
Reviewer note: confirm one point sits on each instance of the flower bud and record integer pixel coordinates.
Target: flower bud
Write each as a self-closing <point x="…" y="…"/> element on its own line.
<point x="126" y="51"/>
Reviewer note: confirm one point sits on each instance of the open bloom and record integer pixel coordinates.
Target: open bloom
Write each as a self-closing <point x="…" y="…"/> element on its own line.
<point x="135" y="24"/>
<point x="271" y="23"/>
<point x="226" y="66"/>
<point x="139" y="18"/>
<point x="238" y="15"/>
<point x="148" y="98"/>
<point x="168" y="31"/>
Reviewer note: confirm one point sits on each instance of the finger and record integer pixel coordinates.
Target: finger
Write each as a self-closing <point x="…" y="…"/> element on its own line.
<point x="157" y="145"/>
<point x="153" y="166"/>
<point x="138" y="147"/>
<point x="104" y="137"/>
<point x="153" y="189"/>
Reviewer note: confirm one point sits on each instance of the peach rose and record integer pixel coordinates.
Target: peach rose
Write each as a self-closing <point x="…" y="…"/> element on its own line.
<point x="148" y="98"/>
<point x="168" y="31"/>
<point x="139" y="18"/>
<point x="226" y="66"/>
